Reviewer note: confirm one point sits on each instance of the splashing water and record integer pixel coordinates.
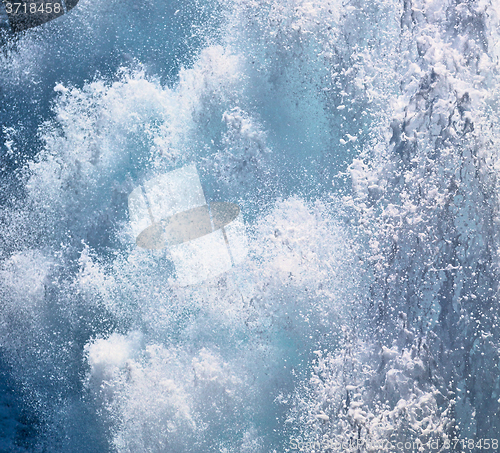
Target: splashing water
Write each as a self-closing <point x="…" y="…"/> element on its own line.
<point x="359" y="141"/>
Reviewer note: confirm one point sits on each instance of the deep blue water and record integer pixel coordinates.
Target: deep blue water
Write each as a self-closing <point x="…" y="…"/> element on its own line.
<point x="360" y="142"/>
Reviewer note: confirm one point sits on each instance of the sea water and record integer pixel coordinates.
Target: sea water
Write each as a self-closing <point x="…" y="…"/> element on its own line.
<point x="359" y="140"/>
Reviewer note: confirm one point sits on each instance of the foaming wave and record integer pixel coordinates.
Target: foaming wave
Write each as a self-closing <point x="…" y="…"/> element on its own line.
<point x="111" y="312"/>
<point x="291" y="101"/>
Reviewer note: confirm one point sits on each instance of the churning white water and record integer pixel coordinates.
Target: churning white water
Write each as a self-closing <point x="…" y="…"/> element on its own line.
<point x="359" y="140"/>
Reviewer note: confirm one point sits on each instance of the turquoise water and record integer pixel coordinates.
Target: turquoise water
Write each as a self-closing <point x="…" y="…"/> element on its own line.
<point x="359" y="141"/>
